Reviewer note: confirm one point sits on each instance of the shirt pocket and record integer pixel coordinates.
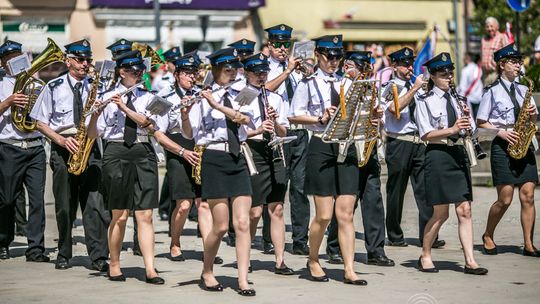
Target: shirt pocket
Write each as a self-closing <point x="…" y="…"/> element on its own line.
<point x="315" y="105"/>
<point x="502" y="109"/>
<point x="111" y="120"/>
<point x="439" y="120"/>
<point x="63" y="112"/>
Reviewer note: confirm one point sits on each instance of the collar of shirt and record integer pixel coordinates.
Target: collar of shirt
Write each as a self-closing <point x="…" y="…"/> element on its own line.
<point x="400" y="82"/>
<point x="437" y="91"/>
<point x="506" y="83"/>
<point x="74" y="81"/>
<point x="326" y="77"/>
<point x="274" y="63"/>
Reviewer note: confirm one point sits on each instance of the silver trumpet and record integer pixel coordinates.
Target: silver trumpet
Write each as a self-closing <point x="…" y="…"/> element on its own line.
<point x="198" y="96"/>
<point x="106" y="102"/>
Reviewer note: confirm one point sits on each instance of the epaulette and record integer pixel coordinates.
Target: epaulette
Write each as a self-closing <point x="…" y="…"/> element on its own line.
<point x="165" y="78"/>
<point x="487" y="88"/>
<point x="425" y="95"/>
<point x="169" y="95"/>
<point x="55" y="83"/>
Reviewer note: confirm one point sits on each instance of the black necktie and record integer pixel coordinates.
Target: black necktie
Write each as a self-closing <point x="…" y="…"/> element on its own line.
<point x="334" y="95"/>
<point x="451" y="115"/>
<point x="262" y="106"/>
<point x="232" y="130"/>
<point x="288" y="84"/>
<point x="130" y="127"/>
<point x="77" y="103"/>
<point x="517" y="108"/>
<point x="412" y="104"/>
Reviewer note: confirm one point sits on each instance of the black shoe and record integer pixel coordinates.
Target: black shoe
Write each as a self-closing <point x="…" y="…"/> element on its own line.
<point x="247" y="292"/>
<point x="155" y="281"/>
<point x="100" y="265"/>
<point x="535" y="254"/>
<point x="335" y="258"/>
<point x="250" y="269"/>
<point x="62" y="263"/>
<point x="4" y="253"/>
<point x="355" y="282"/>
<point x="268" y="248"/>
<point x="428" y="270"/>
<point x="218" y="260"/>
<point x="37" y="257"/>
<point x="178" y="258"/>
<point x="283" y="271"/>
<point x="397" y="243"/>
<point x="492" y="251"/>
<point x="475" y="271"/>
<point x="380" y="261"/>
<point x="323" y="278"/>
<point x="118" y="278"/>
<point x="438" y="244"/>
<point x="20" y="233"/>
<point x="301" y="249"/>
<point x="137" y="251"/>
<point x="164" y="216"/>
<point x="231" y="241"/>
<point x="217" y="287"/>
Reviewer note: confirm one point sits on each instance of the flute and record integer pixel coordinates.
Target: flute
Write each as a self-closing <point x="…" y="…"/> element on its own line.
<point x="198" y="97"/>
<point x="106" y="102"/>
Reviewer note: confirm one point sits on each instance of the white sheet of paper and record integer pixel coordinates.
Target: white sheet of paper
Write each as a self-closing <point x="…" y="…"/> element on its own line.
<point x="304" y="49"/>
<point x="246" y="96"/>
<point x="159" y="106"/>
<point x="19" y="64"/>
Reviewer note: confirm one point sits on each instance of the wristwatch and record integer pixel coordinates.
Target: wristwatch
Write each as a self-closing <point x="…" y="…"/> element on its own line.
<point x="181" y="153"/>
<point x="320" y="120"/>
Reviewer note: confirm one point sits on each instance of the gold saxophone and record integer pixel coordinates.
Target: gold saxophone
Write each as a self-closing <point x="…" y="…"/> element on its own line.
<point x="196" y="170"/>
<point x="78" y="161"/>
<point x="524" y="126"/>
<point x="31" y="86"/>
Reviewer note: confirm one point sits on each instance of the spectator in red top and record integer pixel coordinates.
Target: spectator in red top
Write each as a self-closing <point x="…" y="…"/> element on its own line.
<point x="493" y="41"/>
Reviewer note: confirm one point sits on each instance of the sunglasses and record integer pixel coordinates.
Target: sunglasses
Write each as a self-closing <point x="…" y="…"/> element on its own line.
<point x="278" y="44"/>
<point x="82" y="60"/>
<point x="134" y="72"/>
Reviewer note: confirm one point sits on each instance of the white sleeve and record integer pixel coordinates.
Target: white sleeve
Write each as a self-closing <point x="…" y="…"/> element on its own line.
<point x="423" y="119"/>
<point x="42" y="109"/>
<point x="300" y="100"/>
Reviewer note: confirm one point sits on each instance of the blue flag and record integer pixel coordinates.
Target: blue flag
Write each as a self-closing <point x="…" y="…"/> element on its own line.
<point x="425" y="54"/>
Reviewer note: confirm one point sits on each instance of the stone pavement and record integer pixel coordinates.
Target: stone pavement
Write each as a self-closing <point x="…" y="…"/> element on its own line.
<point x="512" y="277"/>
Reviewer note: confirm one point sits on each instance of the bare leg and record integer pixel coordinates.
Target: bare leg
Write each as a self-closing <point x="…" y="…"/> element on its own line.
<point x="241" y="206"/>
<point x="344" y="215"/>
<point x="496" y="212"/>
<point x="277" y="231"/>
<point x="117" y="229"/>
<point x="146" y="240"/>
<point x="220" y="225"/>
<point x="465" y="231"/>
<point x="204" y="217"/>
<point x="324" y="209"/>
<point x="254" y="217"/>
<point x="528" y="214"/>
<point x="440" y="215"/>
<point x="178" y="220"/>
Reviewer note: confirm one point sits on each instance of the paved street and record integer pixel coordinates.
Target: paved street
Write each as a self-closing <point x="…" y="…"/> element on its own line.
<point x="512" y="277"/>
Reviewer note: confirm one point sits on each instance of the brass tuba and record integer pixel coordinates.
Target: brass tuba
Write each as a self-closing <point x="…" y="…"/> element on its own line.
<point x="78" y="161"/>
<point x="31" y="86"/>
<point x="523" y="125"/>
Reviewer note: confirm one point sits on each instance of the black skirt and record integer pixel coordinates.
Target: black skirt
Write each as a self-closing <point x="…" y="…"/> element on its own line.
<point x="325" y="176"/>
<point x="181" y="183"/>
<point x="447" y="175"/>
<point x="270" y="185"/>
<point x="224" y="175"/>
<point x="130" y="177"/>
<point x="509" y="171"/>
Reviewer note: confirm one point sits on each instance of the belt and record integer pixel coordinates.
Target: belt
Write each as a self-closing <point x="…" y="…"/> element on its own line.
<point x="218" y="146"/>
<point x="414" y="138"/>
<point x="24" y="143"/>
<point x="297" y="127"/>
<point x="318" y="134"/>
<point x="446" y="142"/>
<point x="140" y="139"/>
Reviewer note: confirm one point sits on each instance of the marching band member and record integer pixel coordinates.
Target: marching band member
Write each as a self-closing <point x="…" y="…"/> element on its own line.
<point x="218" y="124"/>
<point x="358" y="64"/>
<point x="59" y="109"/>
<point x="501" y="104"/>
<point x="404" y="149"/>
<point x="167" y="79"/>
<point x="129" y="163"/>
<point x="441" y="120"/>
<point x="270" y="185"/>
<point x="314" y="102"/>
<point x="22" y="159"/>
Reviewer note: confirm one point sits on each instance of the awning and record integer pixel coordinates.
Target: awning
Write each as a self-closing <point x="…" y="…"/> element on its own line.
<point x="181" y="4"/>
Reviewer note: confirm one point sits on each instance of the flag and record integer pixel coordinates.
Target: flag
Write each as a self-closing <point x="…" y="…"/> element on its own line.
<point x="426" y="53"/>
<point x="508" y="32"/>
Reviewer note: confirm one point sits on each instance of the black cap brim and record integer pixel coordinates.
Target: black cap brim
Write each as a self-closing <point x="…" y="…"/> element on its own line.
<point x="259" y="68"/>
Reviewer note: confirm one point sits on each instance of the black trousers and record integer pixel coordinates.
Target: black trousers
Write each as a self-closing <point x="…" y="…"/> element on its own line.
<point x="405" y="160"/>
<point x="20" y="166"/>
<point x="20" y="213"/>
<point x="296" y="153"/>
<point x="372" y="207"/>
<point x="71" y="190"/>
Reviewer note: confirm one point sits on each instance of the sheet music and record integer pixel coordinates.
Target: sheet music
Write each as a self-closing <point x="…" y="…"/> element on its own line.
<point x="19" y="64"/>
<point x="159" y="106"/>
<point x="246" y="96"/>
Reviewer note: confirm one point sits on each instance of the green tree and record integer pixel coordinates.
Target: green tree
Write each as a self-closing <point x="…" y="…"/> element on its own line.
<point x="528" y="20"/>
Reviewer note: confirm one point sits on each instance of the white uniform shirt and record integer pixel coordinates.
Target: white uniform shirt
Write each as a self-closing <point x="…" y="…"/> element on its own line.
<point x="210" y="125"/>
<point x="313" y="96"/>
<point x="497" y="107"/>
<point x="7" y="129"/>
<point x="403" y="125"/>
<point x="54" y="105"/>
<point x="163" y="81"/>
<point x="111" y="122"/>
<point x="173" y="117"/>
<point x="431" y="111"/>
<point x="276" y="102"/>
<point x="277" y="69"/>
<point x="471" y="81"/>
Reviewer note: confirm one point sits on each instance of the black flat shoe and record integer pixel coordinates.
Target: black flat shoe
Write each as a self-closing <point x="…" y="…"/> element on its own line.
<point x="178" y="258"/>
<point x="492" y="251"/>
<point x="380" y="261"/>
<point x="118" y="278"/>
<point x="475" y="271"/>
<point x="436" y="245"/>
<point x="534" y="254"/>
<point x="247" y="292"/>
<point x="100" y="265"/>
<point x="38" y="258"/>
<point x="268" y="248"/>
<point x="155" y="280"/>
<point x="335" y="259"/>
<point x="355" y="282"/>
<point x="250" y="269"/>
<point x="62" y="263"/>
<point x="217" y="287"/>
<point x="284" y="271"/>
<point x="218" y="261"/>
<point x="300" y="249"/>
<point x="428" y="270"/>
<point x="137" y="251"/>
<point x="4" y="253"/>
<point x="397" y="244"/>
<point x="313" y="278"/>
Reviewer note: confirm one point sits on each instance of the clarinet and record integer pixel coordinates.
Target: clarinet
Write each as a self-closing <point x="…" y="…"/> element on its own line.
<point x="279" y="147"/>
<point x="472" y="146"/>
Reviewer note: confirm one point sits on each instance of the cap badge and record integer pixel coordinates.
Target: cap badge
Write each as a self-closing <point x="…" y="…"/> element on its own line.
<point x="335" y="40"/>
<point x="515" y="47"/>
<point x="282" y="27"/>
<point x="175" y="50"/>
<point x="406" y="52"/>
<point x="244" y="41"/>
<point x="443" y="57"/>
<point x="261" y="57"/>
<point x="122" y="41"/>
<point x="191" y="59"/>
<point x="85" y="43"/>
<point x="235" y="53"/>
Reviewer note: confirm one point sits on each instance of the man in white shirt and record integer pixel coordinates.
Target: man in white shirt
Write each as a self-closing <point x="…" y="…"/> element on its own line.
<point x="470" y="82"/>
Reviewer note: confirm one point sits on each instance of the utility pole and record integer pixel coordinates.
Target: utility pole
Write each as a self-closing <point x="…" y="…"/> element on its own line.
<point x="157" y="22"/>
<point x="458" y="55"/>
